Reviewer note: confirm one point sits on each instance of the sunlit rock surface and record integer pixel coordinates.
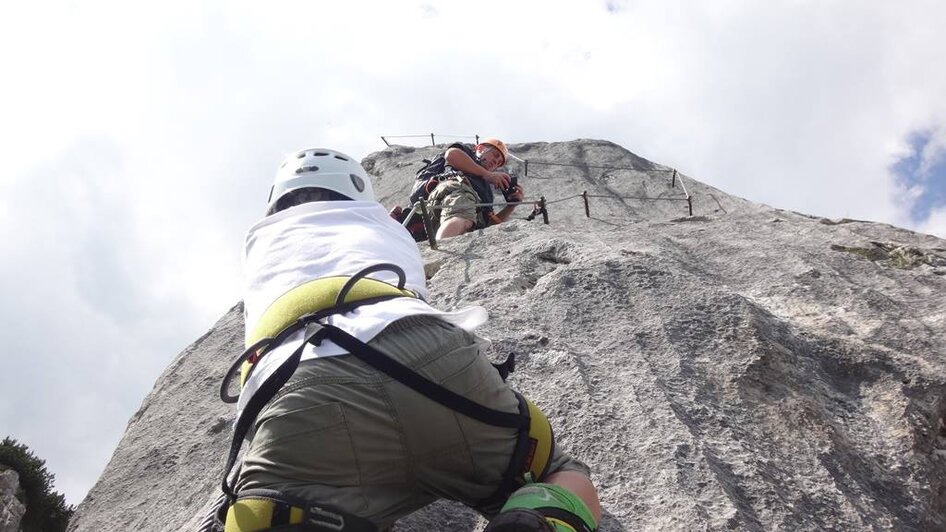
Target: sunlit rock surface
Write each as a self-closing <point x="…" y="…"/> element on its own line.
<point x="741" y="368"/>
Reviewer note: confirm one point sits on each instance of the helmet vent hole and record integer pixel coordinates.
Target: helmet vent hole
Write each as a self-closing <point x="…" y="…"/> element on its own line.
<point x="341" y="158"/>
<point x="358" y="182"/>
<point x="310" y="168"/>
<point x="300" y="155"/>
<point x="319" y="154"/>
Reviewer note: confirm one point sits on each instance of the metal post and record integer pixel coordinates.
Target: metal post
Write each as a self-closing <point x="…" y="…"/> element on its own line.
<point x="690" y="204"/>
<point x="584" y="195"/>
<point x="386" y="143"/>
<point x="673" y="180"/>
<point x="545" y="213"/>
<point x="429" y="227"/>
<point x="432" y="141"/>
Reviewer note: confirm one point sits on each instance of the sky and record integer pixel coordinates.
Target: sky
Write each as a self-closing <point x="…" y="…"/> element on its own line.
<point x="138" y="142"/>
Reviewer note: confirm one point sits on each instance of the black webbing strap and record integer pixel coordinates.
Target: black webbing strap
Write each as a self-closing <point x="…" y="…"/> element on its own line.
<point x="215" y="520"/>
<point x="281" y="513"/>
<point x="518" y="463"/>
<point x="271" y="386"/>
<point x="316" y="332"/>
<point x="418" y="383"/>
<point x="268" y="344"/>
<point x="566" y="517"/>
<point x="258" y="401"/>
<point x="519" y="460"/>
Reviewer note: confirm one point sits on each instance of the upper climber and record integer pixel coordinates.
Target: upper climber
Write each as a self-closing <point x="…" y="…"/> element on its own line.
<point x="475" y="173"/>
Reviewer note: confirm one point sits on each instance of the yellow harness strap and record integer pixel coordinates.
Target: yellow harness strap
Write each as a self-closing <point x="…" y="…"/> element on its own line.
<point x="537" y="442"/>
<point x="259" y="510"/>
<point x="540" y="441"/>
<point x="311" y="297"/>
<point x="252" y="515"/>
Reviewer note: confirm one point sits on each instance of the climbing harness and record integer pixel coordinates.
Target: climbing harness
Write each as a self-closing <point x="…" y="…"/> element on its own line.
<point x="261" y="510"/>
<point x="303" y="309"/>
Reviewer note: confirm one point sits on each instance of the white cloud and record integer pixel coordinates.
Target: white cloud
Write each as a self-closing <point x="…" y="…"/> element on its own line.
<point x="935" y="224"/>
<point x="934" y="151"/>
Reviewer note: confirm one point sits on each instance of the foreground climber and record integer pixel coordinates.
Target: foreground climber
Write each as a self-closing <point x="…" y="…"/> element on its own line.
<point x="476" y="173"/>
<point x="368" y="403"/>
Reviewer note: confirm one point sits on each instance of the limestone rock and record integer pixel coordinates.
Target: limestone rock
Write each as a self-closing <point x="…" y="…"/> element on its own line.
<point x="11" y="509"/>
<point x="741" y="368"/>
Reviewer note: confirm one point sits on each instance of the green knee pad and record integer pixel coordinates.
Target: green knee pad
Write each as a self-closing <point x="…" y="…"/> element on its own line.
<point x="562" y="509"/>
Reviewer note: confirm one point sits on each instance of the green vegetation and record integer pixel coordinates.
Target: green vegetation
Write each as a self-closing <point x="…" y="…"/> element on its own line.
<point x="908" y="258"/>
<point x="46" y="510"/>
<point x="827" y="221"/>
<point x="893" y="255"/>
<point x="874" y="254"/>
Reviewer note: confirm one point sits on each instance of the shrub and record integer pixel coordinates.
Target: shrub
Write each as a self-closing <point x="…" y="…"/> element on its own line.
<point x="46" y="510"/>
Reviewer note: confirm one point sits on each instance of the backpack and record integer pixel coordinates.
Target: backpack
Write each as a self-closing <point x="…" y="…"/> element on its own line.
<point x="428" y="177"/>
<point x="425" y="181"/>
<point x="415" y="226"/>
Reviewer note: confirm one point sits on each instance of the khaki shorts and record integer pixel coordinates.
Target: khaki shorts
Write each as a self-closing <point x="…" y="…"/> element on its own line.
<point x="342" y="434"/>
<point x="458" y="200"/>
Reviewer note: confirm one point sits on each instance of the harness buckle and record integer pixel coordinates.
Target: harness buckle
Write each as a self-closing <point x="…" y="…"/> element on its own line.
<point x="325" y="518"/>
<point x="315" y="332"/>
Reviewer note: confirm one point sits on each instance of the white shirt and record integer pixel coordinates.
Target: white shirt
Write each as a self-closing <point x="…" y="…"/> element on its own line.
<point x="325" y="239"/>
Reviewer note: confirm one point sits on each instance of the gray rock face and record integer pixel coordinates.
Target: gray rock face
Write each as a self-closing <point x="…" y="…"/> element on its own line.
<point x="742" y="368"/>
<point x="11" y="509"/>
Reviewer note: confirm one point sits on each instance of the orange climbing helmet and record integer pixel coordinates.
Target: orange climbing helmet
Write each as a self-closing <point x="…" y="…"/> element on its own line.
<point x="499" y="145"/>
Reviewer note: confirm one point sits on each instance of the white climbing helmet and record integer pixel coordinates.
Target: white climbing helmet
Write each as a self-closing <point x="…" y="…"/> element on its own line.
<point x="321" y="168"/>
